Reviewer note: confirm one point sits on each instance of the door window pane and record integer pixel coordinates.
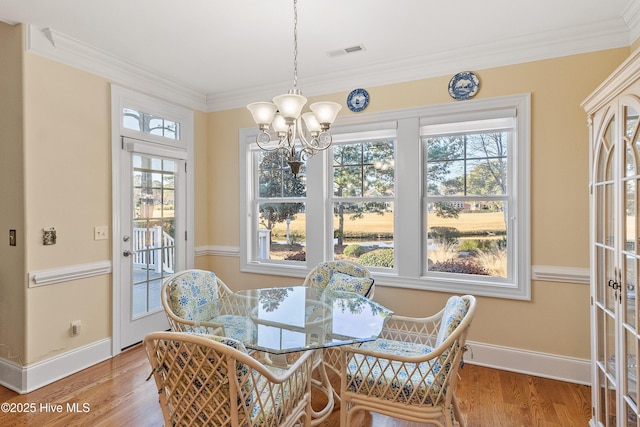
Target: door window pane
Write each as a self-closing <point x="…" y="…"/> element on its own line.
<point x="153" y="234"/>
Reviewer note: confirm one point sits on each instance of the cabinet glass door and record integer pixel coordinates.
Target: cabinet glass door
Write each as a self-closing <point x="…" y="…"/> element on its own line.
<point x="628" y="274"/>
<point x="606" y="296"/>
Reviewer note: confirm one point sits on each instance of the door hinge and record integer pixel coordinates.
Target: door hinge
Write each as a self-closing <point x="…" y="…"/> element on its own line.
<point x="185" y="235"/>
<point x="185" y="167"/>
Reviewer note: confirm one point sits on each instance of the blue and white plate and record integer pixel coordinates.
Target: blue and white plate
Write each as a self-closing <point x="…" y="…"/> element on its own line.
<point x="464" y="85"/>
<point x="358" y="100"/>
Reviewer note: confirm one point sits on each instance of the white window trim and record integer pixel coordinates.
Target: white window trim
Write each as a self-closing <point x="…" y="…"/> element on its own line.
<point x="408" y="208"/>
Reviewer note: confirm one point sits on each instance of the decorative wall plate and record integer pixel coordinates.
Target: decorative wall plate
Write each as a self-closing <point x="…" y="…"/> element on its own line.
<point x="358" y="100"/>
<point x="464" y="85"/>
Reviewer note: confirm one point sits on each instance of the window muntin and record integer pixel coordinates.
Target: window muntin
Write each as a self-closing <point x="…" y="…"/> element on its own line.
<point x="363" y="183"/>
<point x="467" y="202"/>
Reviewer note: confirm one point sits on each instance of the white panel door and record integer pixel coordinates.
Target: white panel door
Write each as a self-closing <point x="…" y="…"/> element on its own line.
<point x="152" y="238"/>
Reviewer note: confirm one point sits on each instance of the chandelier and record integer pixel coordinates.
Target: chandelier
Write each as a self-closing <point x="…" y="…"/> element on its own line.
<point x="294" y="140"/>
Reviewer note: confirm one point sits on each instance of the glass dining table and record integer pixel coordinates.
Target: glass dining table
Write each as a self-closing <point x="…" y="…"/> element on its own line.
<point x="298" y="318"/>
<point x="278" y="321"/>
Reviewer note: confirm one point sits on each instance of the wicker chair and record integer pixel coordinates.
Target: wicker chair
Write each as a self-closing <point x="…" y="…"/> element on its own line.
<point x="410" y="372"/>
<point x="354" y="277"/>
<point x="322" y="276"/>
<point x="208" y="380"/>
<point x="190" y="300"/>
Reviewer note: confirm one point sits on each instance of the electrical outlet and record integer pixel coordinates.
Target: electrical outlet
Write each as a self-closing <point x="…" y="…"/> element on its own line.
<point x="100" y="232"/>
<point x="76" y="327"/>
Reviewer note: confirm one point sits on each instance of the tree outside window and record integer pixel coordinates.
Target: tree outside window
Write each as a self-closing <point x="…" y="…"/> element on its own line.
<point x="466" y="194"/>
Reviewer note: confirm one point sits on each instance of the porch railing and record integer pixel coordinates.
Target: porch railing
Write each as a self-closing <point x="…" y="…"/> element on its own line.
<point x="153" y="249"/>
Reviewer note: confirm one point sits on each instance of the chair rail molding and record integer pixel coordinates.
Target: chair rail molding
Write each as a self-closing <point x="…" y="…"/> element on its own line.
<point x="65" y="274"/>
<point x="226" y="251"/>
<point x="548" y="273"/>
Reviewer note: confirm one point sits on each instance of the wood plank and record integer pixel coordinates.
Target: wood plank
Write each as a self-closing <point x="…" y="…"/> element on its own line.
<point x="116" y="392"/>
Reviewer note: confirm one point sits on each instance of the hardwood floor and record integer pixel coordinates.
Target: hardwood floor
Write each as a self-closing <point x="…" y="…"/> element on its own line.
<point x="115" y="393"/>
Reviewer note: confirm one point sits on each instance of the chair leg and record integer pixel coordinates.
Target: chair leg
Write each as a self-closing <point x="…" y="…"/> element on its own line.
<point x="344" y="413"/>
<point x="457" y="413"/>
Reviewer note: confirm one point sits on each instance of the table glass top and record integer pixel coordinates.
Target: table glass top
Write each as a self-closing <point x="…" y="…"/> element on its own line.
<point x="282" y="320"/>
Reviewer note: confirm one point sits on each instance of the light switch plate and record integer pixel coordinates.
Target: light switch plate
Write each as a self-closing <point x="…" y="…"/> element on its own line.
<point x="100" y="232"/>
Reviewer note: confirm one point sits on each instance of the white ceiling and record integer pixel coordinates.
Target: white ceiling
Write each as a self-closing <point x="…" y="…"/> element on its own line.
<point x="224" y="54"/>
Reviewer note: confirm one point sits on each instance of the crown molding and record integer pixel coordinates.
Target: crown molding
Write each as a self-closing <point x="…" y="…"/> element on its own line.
<point x="607" y="34"/>
<point x="58" y="47"/>
<point x="631" y="16"/>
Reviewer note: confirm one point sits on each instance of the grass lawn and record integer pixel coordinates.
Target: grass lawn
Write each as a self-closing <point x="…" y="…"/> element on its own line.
<point x="373" y="223"/>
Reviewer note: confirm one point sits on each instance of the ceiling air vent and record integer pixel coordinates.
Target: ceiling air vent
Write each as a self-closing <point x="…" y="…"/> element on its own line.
<point x="346" y="50"/>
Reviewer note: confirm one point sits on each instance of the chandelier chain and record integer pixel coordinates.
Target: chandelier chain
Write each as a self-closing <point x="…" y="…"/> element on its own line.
<point x="295" y="43"/>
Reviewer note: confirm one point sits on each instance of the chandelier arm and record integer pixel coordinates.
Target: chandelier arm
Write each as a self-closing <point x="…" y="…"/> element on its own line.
<point x="314" y="143"/>
<point x="263" y="140"/>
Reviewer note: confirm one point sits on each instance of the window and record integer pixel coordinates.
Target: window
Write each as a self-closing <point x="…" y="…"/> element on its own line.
<point x="467" y="198"/>
<point x="434" y="197"/>
<point x="363" y="183"/>
<point x="150" y="124"/>
<point x="280" y="209"/>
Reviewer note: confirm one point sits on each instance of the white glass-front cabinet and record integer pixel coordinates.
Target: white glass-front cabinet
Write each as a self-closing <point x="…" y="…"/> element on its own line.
<point x="615" y="248"/>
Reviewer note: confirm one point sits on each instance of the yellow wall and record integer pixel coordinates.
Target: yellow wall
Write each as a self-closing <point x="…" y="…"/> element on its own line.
<point x="68" y="186"/>
<point x="556" y="320"/>
<point x="12" y="258"/>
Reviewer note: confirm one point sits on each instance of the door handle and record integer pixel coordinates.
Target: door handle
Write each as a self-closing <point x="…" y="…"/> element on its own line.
<point x="126" y="252"/>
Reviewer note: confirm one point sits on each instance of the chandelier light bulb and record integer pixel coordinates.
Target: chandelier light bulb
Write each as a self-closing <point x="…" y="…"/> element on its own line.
<point x="290" y="105"/>
<point x="311" y="122"/>
<point x="325" y="112"/>
<point x="262" y="112"/>
<point x="279" y="124"/>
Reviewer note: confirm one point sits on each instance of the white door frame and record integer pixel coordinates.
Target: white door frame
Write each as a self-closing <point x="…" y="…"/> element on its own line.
<point x="121" y="98"/>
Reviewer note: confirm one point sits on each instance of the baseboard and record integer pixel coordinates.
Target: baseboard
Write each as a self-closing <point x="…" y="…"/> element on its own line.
<point x="24" y="379"/>
<point x="12" y="375"/>
<point x="563" y="368"/>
